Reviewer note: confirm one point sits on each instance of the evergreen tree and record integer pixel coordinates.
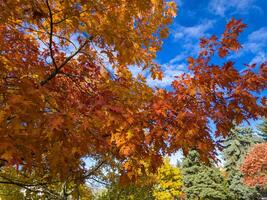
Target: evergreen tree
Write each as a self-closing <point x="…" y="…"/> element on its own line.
<point x="236" y="146"/>
<point x="263" y="129"/>
<point x="201" y="181"/>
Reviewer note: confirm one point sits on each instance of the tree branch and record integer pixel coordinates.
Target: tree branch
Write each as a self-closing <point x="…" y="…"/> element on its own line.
<point x="57" y="70"/>
<point x="95" y="169"/>
<point x="51" y="35"/>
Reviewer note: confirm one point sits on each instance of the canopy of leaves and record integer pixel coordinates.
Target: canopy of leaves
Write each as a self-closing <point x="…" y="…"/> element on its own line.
<point x="56" y="90"/>
<point x="254" y="166"/>
<point x="66" y="91"/>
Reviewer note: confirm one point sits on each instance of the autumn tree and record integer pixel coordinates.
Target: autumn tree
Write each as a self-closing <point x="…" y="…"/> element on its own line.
<point x="236" y="145"/>
<point x="168" y="182"/>
<point x="165" y="184"/>
<point x="254" y="166"/>
<point x="66" y="91"/>
<point x="57" y="90"/>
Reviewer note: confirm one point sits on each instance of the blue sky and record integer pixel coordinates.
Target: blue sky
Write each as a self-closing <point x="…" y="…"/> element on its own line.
<point x="202" y="18"/>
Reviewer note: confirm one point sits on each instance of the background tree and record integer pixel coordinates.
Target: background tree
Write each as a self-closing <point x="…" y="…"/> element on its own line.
<point x="236" y="145"/>
<point x="201" y="181"/>
<point x="130" y="191"/>
<point x="165" y="184"/>
<point x="169" y="182"/>
<point x="263" y="129"/>
<point x="17" y="185"/>
<point x="254" y="166"/>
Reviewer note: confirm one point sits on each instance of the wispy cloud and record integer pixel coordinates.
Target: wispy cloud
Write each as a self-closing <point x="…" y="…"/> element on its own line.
<point x="187" y="37"/>
<point x="169" y="71"/>
<point x="220" y="7"/>
<point x="180" y="57"/>
<point x="256" y="45"/>
<point x="193" y="32"/>
<point x="257" y="40"/>
<point x="261" y="57"/>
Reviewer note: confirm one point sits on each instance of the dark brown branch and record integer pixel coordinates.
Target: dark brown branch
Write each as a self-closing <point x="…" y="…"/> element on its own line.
<point x="25" y="186"/>
<point x="99" y="181"/>
<point x="51" y="35"/>
<point x="57" y="70"/>
<point x="95" y="169"/>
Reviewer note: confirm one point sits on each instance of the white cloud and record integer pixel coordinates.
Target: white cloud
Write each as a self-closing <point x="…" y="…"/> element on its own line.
<point x="137" y="70"/>
<point x="180" y="57"/>
<point x="195" y="32"/>
<point x="261" y="57"/>
<point x="188" y="39"/>
<point x="220" y="7"/>
<point x="169" y="71"/>
<point x="257" y="45"/>
<point x="257" y="41"/>
<point x="259" y="35"/>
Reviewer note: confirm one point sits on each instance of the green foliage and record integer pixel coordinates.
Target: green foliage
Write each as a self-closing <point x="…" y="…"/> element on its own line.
<point x="263" y="129"/>
<point x="10" y="192"/>
<point x="165" y="185"/>
<point x="239" y="190"/>
<point x="16" y="185"/>
<point x="201" y="181"/>
<point x="126" y="192"/>
<point x="236" y="146"/>
<point x="169" y="182"/>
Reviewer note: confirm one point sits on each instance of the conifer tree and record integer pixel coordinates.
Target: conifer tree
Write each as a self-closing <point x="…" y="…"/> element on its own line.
<point x="202" y="181"/>
<point x="263" y="129"/>
<point x="236" y="146"/>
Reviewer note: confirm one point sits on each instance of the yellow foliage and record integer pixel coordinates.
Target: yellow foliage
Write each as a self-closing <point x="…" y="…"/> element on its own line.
<point x="169" y="182"/>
